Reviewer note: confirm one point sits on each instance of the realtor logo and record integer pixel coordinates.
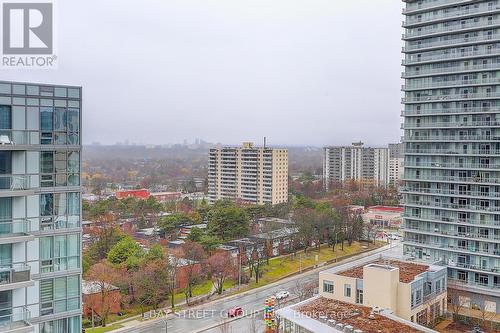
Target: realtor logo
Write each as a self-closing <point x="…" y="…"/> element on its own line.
<point x="28" y="34"/>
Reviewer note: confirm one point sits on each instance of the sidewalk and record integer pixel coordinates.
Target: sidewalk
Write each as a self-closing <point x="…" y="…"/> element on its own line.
<point x="133" y="322"/>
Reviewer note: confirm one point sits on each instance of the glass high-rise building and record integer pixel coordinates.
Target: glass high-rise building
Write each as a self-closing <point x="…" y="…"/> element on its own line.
<point x="452" y="141"/>
<point x="40" y="208"/>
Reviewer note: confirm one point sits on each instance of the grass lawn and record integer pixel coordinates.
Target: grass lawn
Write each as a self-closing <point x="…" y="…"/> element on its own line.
<point x="103" y="329"/>
<point x="201" y="289"/>
<point x="283" y="266"/>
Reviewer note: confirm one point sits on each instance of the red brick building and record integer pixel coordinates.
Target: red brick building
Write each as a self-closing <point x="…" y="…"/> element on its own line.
<point x="139" y="194"/>
<point x="91" y="292"/>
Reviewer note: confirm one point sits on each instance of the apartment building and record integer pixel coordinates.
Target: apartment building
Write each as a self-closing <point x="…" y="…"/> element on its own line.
<point x="366" y="165"/>
<point x="452" y="141"/>
<point x="257" y="175"/>
<point x="40" y="208"/>
<point x="413" y="292"/>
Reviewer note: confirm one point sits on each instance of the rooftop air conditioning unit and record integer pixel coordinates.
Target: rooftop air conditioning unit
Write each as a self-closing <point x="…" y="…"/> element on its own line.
<point x="348" y="329"/>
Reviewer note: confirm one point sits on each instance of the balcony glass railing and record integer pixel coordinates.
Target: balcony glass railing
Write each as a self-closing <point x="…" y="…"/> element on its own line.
<point x="14" y="318"/>
<point x="452" y="138"/>
<point x="14" y="274"/>
<point x="450" y="206"/>
<point x="452" y="124"/>
<point x="453" y="54"/>
<point x="457" y="13"/>
<point x="467" y="284"/>
<point x="427" y="30"/>
<point x="452" y="69"/>
<point x="451" y="246"/>
<point x="450" y="111"/>
<point x="434" y="98"/>
<point x="455" y="41"/>
<point x="433" y="218"/>
<point x="12" y="137"/>
<point x="14" y="183"/>
<point x="452" y="233"/>
<point x="453" y="152"/>
<point x="14" y="227"/>
<point x="489" y="194"/>
<point x="418" y="5"/>
<point x="473" y="180"/>
<point x="442" y="84"/>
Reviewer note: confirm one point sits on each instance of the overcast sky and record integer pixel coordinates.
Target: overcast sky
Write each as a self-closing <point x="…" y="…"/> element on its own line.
<point x="301" y="72"/>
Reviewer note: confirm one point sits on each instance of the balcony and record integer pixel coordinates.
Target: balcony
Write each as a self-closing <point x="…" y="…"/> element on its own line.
<point x="420" y="47"/>
<point x="449" y="55"/>
<point x="429" y="112"/>
<point x="451" y="247"/>
<point x="472" y="286"/>
<point x="429" y="31"/>
<point x="451" y="97"/>
<point x="442" y="205"/>
<point x="452" y="124"/>
<point x="409" y="73"/>
<point x="455" y="138"/>
<point x="431" y="5"/>
<point x="15" y="276"/>
<point x="15" y="231"/>
<point x="447" y="84"/>
<point x="454" y="14"/>
<point x="452" y="220"/>
<point x="453" y="234"/>
<point x="447" y="192"/>
<point x="452" y="152"/>
<point x="18" y="321"/>
<point x="15" y="185"/>
<point x="18" y="140"/>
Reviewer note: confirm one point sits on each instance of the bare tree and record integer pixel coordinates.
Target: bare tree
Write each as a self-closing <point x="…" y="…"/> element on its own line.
<point x="103" y="275"/>
<point x="303" y="289"/>
<point x="456" y="301"/>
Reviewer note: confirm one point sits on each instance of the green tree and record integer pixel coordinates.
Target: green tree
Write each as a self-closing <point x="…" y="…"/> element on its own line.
<point x="171" y="223"/>
<point x="228" y="221"/>
<point x="123" y="250"/>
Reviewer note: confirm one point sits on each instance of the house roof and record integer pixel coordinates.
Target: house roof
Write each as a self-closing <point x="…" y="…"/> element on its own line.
<point x="93" y="287"/>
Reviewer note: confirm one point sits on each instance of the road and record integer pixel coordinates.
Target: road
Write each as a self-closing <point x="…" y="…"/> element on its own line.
<point x="206" y="317"/>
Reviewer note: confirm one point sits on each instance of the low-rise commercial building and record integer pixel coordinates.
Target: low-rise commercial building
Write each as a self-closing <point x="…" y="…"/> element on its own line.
<point x="413" y="292"/>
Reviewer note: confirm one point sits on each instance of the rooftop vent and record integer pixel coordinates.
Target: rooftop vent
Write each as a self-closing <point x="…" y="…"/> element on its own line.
<point x="358" y="331"/>
<point x="332" y="322"/>
<point x="339" y="326"/>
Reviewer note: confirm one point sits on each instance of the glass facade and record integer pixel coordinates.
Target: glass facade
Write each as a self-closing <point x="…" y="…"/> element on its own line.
<point x="452" y="139"/>
<point x="40" y="206"/>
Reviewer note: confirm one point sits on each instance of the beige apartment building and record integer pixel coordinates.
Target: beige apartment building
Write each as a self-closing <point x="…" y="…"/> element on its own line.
<point x="413" y="292"/>
<point x="257" y="175"/>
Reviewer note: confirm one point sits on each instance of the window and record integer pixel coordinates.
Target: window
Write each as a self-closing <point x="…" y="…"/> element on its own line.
<point x="59" y="295"/>
<point x="65" y="325"/>
<point x="59" y="126"/>
<point x="5" y="117"/>
<point x="59" y="253"/>
<point x="359" y="296"/>
<point x="60" y="210"/>
<point x="59" y="168"/>
<point x="347" y="290"/>
<point x="328" y="286"/>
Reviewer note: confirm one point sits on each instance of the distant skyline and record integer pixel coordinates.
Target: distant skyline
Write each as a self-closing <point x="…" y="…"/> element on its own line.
<point x="301" y="73"/>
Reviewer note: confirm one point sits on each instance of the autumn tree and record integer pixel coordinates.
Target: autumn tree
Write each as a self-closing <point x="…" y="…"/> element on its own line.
<point x="103" y="275"/>
<point x="194" y="255"/>
<point x="221" y="267"/>
<point x="150" y="283"/>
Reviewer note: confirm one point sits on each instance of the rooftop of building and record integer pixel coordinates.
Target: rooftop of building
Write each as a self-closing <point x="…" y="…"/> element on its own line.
<point x="322" y="315"/>
<point x="389" y="209"/>
<point x="94" y="287"/>
<point x="407" y="270"/>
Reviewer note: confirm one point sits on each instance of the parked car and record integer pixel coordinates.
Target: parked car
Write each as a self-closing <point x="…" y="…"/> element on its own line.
<point x="235" y="312"/>
<point x="282" y="294"/>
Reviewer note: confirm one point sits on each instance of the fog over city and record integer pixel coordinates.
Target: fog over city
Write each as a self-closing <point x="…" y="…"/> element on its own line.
<point x="300" y="72"/>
